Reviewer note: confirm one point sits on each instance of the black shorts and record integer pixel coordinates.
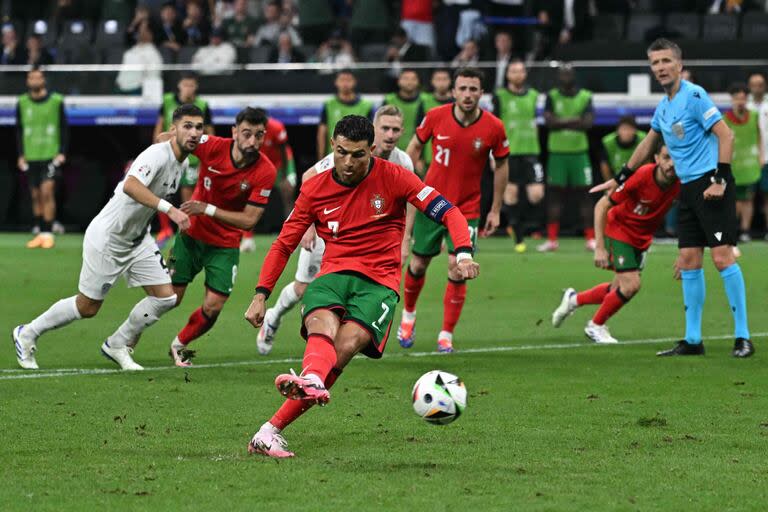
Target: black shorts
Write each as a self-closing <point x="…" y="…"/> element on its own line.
<point x="39" y="172"/>
<point x="525" y="170"/>
<point x="706" y="223"/>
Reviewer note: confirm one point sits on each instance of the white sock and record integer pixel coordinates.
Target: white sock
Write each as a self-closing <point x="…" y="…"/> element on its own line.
<point x="445" y="335"/>
<point x="285" y="301"/>
<point x="58" y="315"/>
<point x="145" y="313"/>
<point x="269" y="426"/>
<point x="409" y="316"/>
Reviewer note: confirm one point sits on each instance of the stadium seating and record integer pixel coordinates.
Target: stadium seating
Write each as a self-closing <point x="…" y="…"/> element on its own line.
<point x="640" y="26"/>
<point x="47" y="31"/>
<point x="719" y="27"/>
<point x="608" y="27"/>
<point x="683" y="25"/>
<point x="754" y="27"/>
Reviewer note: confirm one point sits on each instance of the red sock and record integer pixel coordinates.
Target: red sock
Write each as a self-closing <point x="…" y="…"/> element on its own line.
<point x="593" y="295"/>
<point x="412" y="289"/>
<point x="611" y="304"/>
<point x="553" y="229"/>
<point x="197" y="325"/>
<point x="319" y="356"/>
<point x="292" y="409"/>
<point x="165" y="222"/>
<point x="453" y="302"/>
<point x="589" y="233"/>
<point x="247" y="234"/>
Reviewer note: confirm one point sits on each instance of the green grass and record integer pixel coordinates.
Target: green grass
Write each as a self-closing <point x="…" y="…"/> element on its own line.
<point x="553" y="423"/>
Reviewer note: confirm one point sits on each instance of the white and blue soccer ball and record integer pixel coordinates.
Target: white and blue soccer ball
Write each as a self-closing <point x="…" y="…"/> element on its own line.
<point x="439" y="397"/>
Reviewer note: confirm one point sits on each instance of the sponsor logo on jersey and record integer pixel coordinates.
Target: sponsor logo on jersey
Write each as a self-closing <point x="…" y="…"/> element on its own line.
<point x="621" y="260"/>
<point x="378" y="203"/>
<point x="327" y="211"/>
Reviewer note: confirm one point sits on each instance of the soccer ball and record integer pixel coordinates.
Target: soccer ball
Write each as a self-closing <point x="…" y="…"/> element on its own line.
<point x="439" y="397"/>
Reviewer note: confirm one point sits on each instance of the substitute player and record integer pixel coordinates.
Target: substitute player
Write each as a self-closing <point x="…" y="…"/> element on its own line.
<point x="409" y="101"/>
<point x="625" y="223"/>
<point x="277" y="149"/>
<point x="117" y="242"/>
<point x="233" y="188"/>
<point x="463" y="136"/>
<point x="358" y="208"/>
<point x="345" y="102"/>
<point x="41" y="137"/>
<point x="516" y="107"/>
<point x="388" y="128"/>
<point x="748" y="157"/>
<point x="701" y="145"/>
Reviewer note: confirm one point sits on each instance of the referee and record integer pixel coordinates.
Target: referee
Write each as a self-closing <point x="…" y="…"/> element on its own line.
<point x="701" y="145"/>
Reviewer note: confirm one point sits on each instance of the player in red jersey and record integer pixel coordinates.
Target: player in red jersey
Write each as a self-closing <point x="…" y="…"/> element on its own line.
<point x="233" y="188"/>
<point x="463" y="136"/>
<point x="625" y="223"/>
<point x="279" y="152"/>
<point x="358" y="208"/>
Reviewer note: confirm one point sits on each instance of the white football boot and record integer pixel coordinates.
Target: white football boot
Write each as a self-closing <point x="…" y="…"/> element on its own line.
<point x="121" y="356"/>
<point x="25" y="345"/>
<point x="599" y="333"/>
<point x="566" y="308"/>
<point x="266" y="337"/>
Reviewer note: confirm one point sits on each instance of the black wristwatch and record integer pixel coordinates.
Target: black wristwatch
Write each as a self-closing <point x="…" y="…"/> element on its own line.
<point x="721" y="174"/>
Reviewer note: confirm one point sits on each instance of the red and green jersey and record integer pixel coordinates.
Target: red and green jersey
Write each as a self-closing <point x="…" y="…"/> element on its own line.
<point x="460" y="154"/>
<point x="362" y="224"/>
<point x="274" y="140"/>
<point x="225" y="186"/>
<point x="640" y="205"/>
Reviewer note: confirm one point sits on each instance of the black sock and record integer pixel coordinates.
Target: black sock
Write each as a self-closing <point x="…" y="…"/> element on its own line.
<point x="46" y="226"/>
<point x="38" y="222"/>
<point x="512" y="212"/>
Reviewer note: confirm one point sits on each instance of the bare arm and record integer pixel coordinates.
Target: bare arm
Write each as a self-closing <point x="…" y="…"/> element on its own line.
<point x="322" y="135"/>
<point x="605" y="171"/>
<point x="601" y="219"/>
<point x="724" y="141"/>
<point x="500" y="180"/>
<point x="415" y="147"/>
<point x="246" y="219"/>
<point x="158" y="129"/>
<point x="139" y="192"/>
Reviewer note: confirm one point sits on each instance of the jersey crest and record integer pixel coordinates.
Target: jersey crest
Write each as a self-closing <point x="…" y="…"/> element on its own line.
<point x="244" y="186"/>
<point x="477" y="144"/>
<point x="378" y="204"/>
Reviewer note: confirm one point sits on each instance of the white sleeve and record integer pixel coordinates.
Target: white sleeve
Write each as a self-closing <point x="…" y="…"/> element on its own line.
<point x="145" y="167"/>
<point x="407" y="162"/>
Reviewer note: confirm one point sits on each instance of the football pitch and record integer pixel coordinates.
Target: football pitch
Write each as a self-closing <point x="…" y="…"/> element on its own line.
<point x="553" y="422"/>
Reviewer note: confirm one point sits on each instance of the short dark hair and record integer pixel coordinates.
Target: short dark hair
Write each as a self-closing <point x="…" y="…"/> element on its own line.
<point x="469" y="73"/>
<point x="441" y="70"/>
<point x="354" y="128"/>
<point x="665" y="44"/>
<point x="345" y="71"/>
<point x="188" y="75"/>
<point x="738" y="87"/>
<point x="757" y="73"/>
<point x="627" y="119"/>
<point x="251" y="115"/>
<point x="187" y="109"/>
<point x="659" y="146"/>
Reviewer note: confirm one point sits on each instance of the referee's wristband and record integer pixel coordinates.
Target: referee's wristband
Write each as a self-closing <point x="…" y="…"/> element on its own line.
<point x="623" y="175"/>
<point x="164" y="206"/>
<point x="722" y="173"/>
<point x="210" y="210"/>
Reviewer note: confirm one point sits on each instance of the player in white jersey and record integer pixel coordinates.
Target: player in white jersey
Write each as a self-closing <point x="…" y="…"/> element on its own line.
<point x="388" y="127"/>
<point x="758" y="103"/>
<point x="117" y="242"/>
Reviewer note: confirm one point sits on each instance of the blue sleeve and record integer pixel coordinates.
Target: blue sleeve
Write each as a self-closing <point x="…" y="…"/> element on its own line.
<point x="655" y="121"/>
<point x="704" y="109"/>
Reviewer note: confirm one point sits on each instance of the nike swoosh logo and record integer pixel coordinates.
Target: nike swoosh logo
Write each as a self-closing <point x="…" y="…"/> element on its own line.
<point x="213" y="170"/>
<point x="443" y="137"/>
<point x="326" y="211"/>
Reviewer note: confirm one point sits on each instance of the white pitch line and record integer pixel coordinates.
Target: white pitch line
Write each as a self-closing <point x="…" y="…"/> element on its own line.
<point x="13" y="374"/>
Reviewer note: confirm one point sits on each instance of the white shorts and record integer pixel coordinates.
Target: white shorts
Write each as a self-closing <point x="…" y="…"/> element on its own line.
<point x="144" y="266"/>
<point x="309" y="262"/>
